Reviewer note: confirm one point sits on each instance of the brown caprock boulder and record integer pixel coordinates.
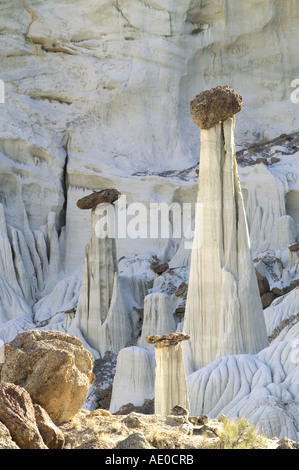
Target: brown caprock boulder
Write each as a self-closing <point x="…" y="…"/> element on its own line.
<point x="215" y="105"/>
<point x="98" y="197"/>
<point x="54" y="368"/>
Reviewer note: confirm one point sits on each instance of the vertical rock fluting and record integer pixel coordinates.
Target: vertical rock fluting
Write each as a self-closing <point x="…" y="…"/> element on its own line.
<point x="223" y="314"/>
<point x="99" y="269"/>
<point x="157" y="317"/>
<point x="170" y="377"/>
<point x="100" y="276"/>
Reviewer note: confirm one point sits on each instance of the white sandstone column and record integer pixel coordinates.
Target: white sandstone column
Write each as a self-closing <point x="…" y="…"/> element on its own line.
<point x="170" y="377"/>
<point x="224" y="313"/>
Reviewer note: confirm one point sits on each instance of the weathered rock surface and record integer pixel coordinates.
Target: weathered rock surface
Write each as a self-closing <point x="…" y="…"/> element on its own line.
<point x="134" y="441"/>
<point x="18" y="415"/>
<point x="6" y="441"/>
<point x="215" y="105"/>
<point x="51" y="434"/>
<point x="53" y="367"/>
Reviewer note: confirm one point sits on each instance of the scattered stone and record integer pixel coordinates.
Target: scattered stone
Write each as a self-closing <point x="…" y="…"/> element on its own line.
<point x="180" y="312"/>
<point x="181" y="289"/>
<point x="97" y="197"/>
<point x="175" y="420"/>
<point x="134" y="441"/>
<point x="160" y="268"/>
<point x="290" y="321"/>
<point x="179" y="411"/>
<point x="294" y="247"/>
<point x="146" y="408"/>
<point x="279" y="291"/>
<point x="262" y="160"/>
<point x="199" y="420"/>
<point x="186" y="428"/>
<point x="100" y="412"/>
<point x="286" y="289"/>
<point x="263" y="283"/>
<point x="293" y="285"/>
<point x="104" y="371"/>
<point x="132" y="421"/>
<point x="94" y="443"/>
<point x="18" y="415"/>
<point x="199" y="430"/>
<point x="52" y="436"/>
<point x="215" y="105"/>
<point x="286" y="443"/>
<point x="275" y="159"/>
<point x="267" y="299"/>
<point x="54" y="368"/>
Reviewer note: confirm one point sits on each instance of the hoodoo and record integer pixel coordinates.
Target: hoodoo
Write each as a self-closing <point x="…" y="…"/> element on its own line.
<point x="170" y="377"/>
<point x="224" y="313"/>
<point x="102" y="315"/>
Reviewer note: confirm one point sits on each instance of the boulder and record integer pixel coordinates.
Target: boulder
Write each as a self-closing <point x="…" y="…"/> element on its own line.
<point x="294" y="247"/>
<point x="18" y="415"/>
<point x="160" y="268"/>
<point x="263" y="283"/>
<point x="134" y="441"/>
<point x="52" y="436"/>
<point x="6" y="441"/>
<point x="54" y="368"/>
<point x="215" y="105"/>
<point x="267" y="299"/>
<point x="97" y="197"/>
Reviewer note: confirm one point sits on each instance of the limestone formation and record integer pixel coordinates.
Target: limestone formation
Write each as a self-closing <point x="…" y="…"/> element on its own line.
<point x="98" y="197"/>
<point x="213" y="106"/>
<point x="170" y="378"/>
<point x="224" y="313"/>
<point x="53" y="367"/>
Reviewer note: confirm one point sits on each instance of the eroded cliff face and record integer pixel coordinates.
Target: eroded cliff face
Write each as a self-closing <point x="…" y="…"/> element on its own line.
<point x="99" y="92"/>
